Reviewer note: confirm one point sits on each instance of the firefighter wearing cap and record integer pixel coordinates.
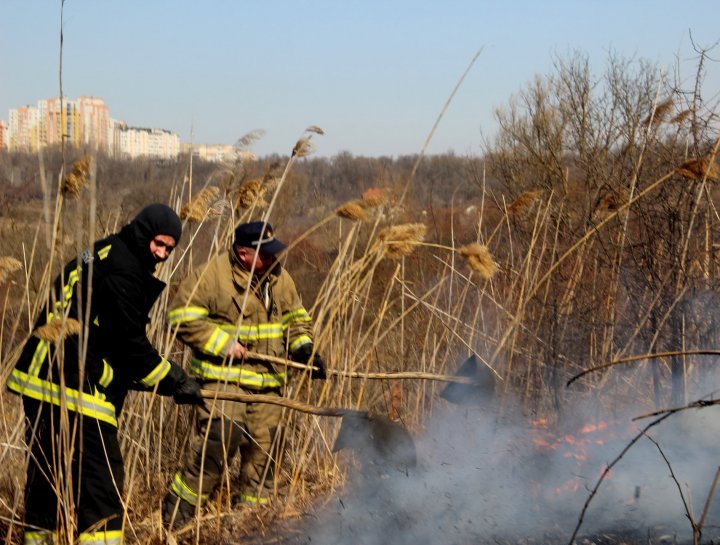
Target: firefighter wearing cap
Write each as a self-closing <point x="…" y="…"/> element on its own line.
<point x="72" y="403"/>
<point x="241" y="301"/>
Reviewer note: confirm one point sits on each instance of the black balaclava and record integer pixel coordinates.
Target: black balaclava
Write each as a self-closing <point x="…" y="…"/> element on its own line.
<point x="154" y="219"/>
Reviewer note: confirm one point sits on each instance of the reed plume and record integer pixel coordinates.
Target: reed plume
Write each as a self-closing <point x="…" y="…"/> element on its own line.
<point x="479" y="259"/>
<point x="303" y="147"/>
<point x="681" y="117"/>
<point x="196" y="209"/>
<point x="352" y="210"/>
<point x="697" y="169"/>
<point x="524" y="203"/>
<point x="8" y="265"/>
<point x="251" y="194"/>
<point x="58" y="329"/>
<point x="315" y="129"/>
<point x="661" y="112"/>
<point x="373" y="198"/>
<point x="249" y="139"/>
<point x="400" y="240"/>
<point x="77" y="178"/>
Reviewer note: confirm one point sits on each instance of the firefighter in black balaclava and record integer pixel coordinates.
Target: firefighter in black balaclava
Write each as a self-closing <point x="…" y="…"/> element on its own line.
<point x="73" y="385"/>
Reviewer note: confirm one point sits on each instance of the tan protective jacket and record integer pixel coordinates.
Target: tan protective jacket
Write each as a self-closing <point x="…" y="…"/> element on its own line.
<point x="213" y="307"/>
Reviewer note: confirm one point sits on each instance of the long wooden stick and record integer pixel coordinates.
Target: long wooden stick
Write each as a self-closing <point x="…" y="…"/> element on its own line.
<point x="640" y="357"/>
<point x="282" y="401"/>
<point x="419" y="375"/>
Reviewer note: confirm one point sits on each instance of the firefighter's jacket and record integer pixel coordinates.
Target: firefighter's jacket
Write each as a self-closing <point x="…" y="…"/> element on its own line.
<point x="218" y="304"/>
<point x="119" y="355"/>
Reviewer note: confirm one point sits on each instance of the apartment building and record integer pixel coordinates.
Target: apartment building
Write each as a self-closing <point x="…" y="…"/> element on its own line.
<point x="3" y="135"/>
<point x="85" y="122"/>
<point x="141" y="142"/>
<point x="216" y="153"/>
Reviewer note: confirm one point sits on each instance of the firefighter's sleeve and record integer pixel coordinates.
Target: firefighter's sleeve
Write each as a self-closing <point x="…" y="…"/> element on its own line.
<point x="191" y="314"/>
<point x="297" y="323"/>
<point x="123" y="324"/>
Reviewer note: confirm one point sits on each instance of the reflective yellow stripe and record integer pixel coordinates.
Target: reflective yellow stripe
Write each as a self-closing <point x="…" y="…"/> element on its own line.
<point x="300" y="341"/>
<point x="247" y="498"/>
<point x="217" y="342"/>
<point x="297" y="316"/>
<point x="107" y="375"/>
<point x="110" y="537"/>
<point x="237" y="374"/>
<point x="186" y="314"/>
<point x="254" y="333"/>
<point x="183" y="491"/>
<point x="38" y="358"/>
<point x="103" y="252"/>
<point x="41" y="537"/>
<point x="80" y="402"/>
<point x="157" y="374"/>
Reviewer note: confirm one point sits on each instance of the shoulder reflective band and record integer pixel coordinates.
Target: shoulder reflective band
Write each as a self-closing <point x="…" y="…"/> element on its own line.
<point x="254" y="333"/>
<point x="103" y="252"/>
<point x="182" y="490"/>
<point x="107" y="375"/>
<point x="156" y="375"/>
<point x="80" y="402"/>
<point x="215" y="345"/>
<point x="296" y="316"/>
<point x="237" y="374"/>
<point x="300" y="341"/>
<point x="186" y="314"/>
<point x="110" y="537"/>
<point x="41" y="537"/>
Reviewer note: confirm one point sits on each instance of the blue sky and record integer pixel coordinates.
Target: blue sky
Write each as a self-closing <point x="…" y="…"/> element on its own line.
<point x="374" y="74"/>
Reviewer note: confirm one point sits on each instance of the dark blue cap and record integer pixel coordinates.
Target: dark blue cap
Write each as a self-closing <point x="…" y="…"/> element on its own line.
<point x="252" y="235"/>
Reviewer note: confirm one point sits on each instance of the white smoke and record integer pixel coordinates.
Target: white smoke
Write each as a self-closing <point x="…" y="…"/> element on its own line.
<point x="482" y="480"/>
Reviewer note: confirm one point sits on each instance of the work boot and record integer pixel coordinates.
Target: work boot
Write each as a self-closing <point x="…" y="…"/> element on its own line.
<point x="176" y="512"/>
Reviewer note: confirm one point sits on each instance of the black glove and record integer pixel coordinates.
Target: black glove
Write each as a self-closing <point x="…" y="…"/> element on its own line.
<point x="321" y="369"/>
<point x="187" y="389"/>
<point x="302" y="355"/>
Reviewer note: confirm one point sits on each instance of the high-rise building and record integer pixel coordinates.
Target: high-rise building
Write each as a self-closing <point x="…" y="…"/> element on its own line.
<point x="3" y="135"/>
<point x="85" y="122"/>
<point x="23" y="132"/>
<point x="140" y="142"/>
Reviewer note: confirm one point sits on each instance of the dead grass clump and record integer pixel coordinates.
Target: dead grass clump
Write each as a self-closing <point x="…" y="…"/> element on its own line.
<point x="479" y="259"/>
<point x="524" y="203"/>
<point x="352" y="210"/>
<point x="77" y="178"/>
<point x="58" y="329"/>
<point x="197" y="208"/>
<point x="400" y="240"/>
<point x="8" y="265"/>
<point x="697" y="169"/>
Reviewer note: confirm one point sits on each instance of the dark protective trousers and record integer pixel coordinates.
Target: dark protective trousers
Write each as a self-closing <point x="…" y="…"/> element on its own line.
<point x="222" y="431"/>
<point x="75" y="475"/>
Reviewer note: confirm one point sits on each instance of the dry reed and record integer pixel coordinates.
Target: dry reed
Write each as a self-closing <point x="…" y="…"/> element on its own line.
<point x="697" y="169"/>
<point x="373" y="198"/>
<point x="303" y="147"/>
<point x="58" y="329"/>
<point x="681" y="117"/>
<point x="524" y="203"/>
<point x="400" y="240"/>
<point x="661" y="112"/>
<point x="8" y="265"/>
<point x="198" y="207"/>
<point x="315" y="129"/>
<point x="479" y="259"/>
<point x="77" y="178"/>
<point x="352" y="210"/>
<point x="251" y="194"/>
